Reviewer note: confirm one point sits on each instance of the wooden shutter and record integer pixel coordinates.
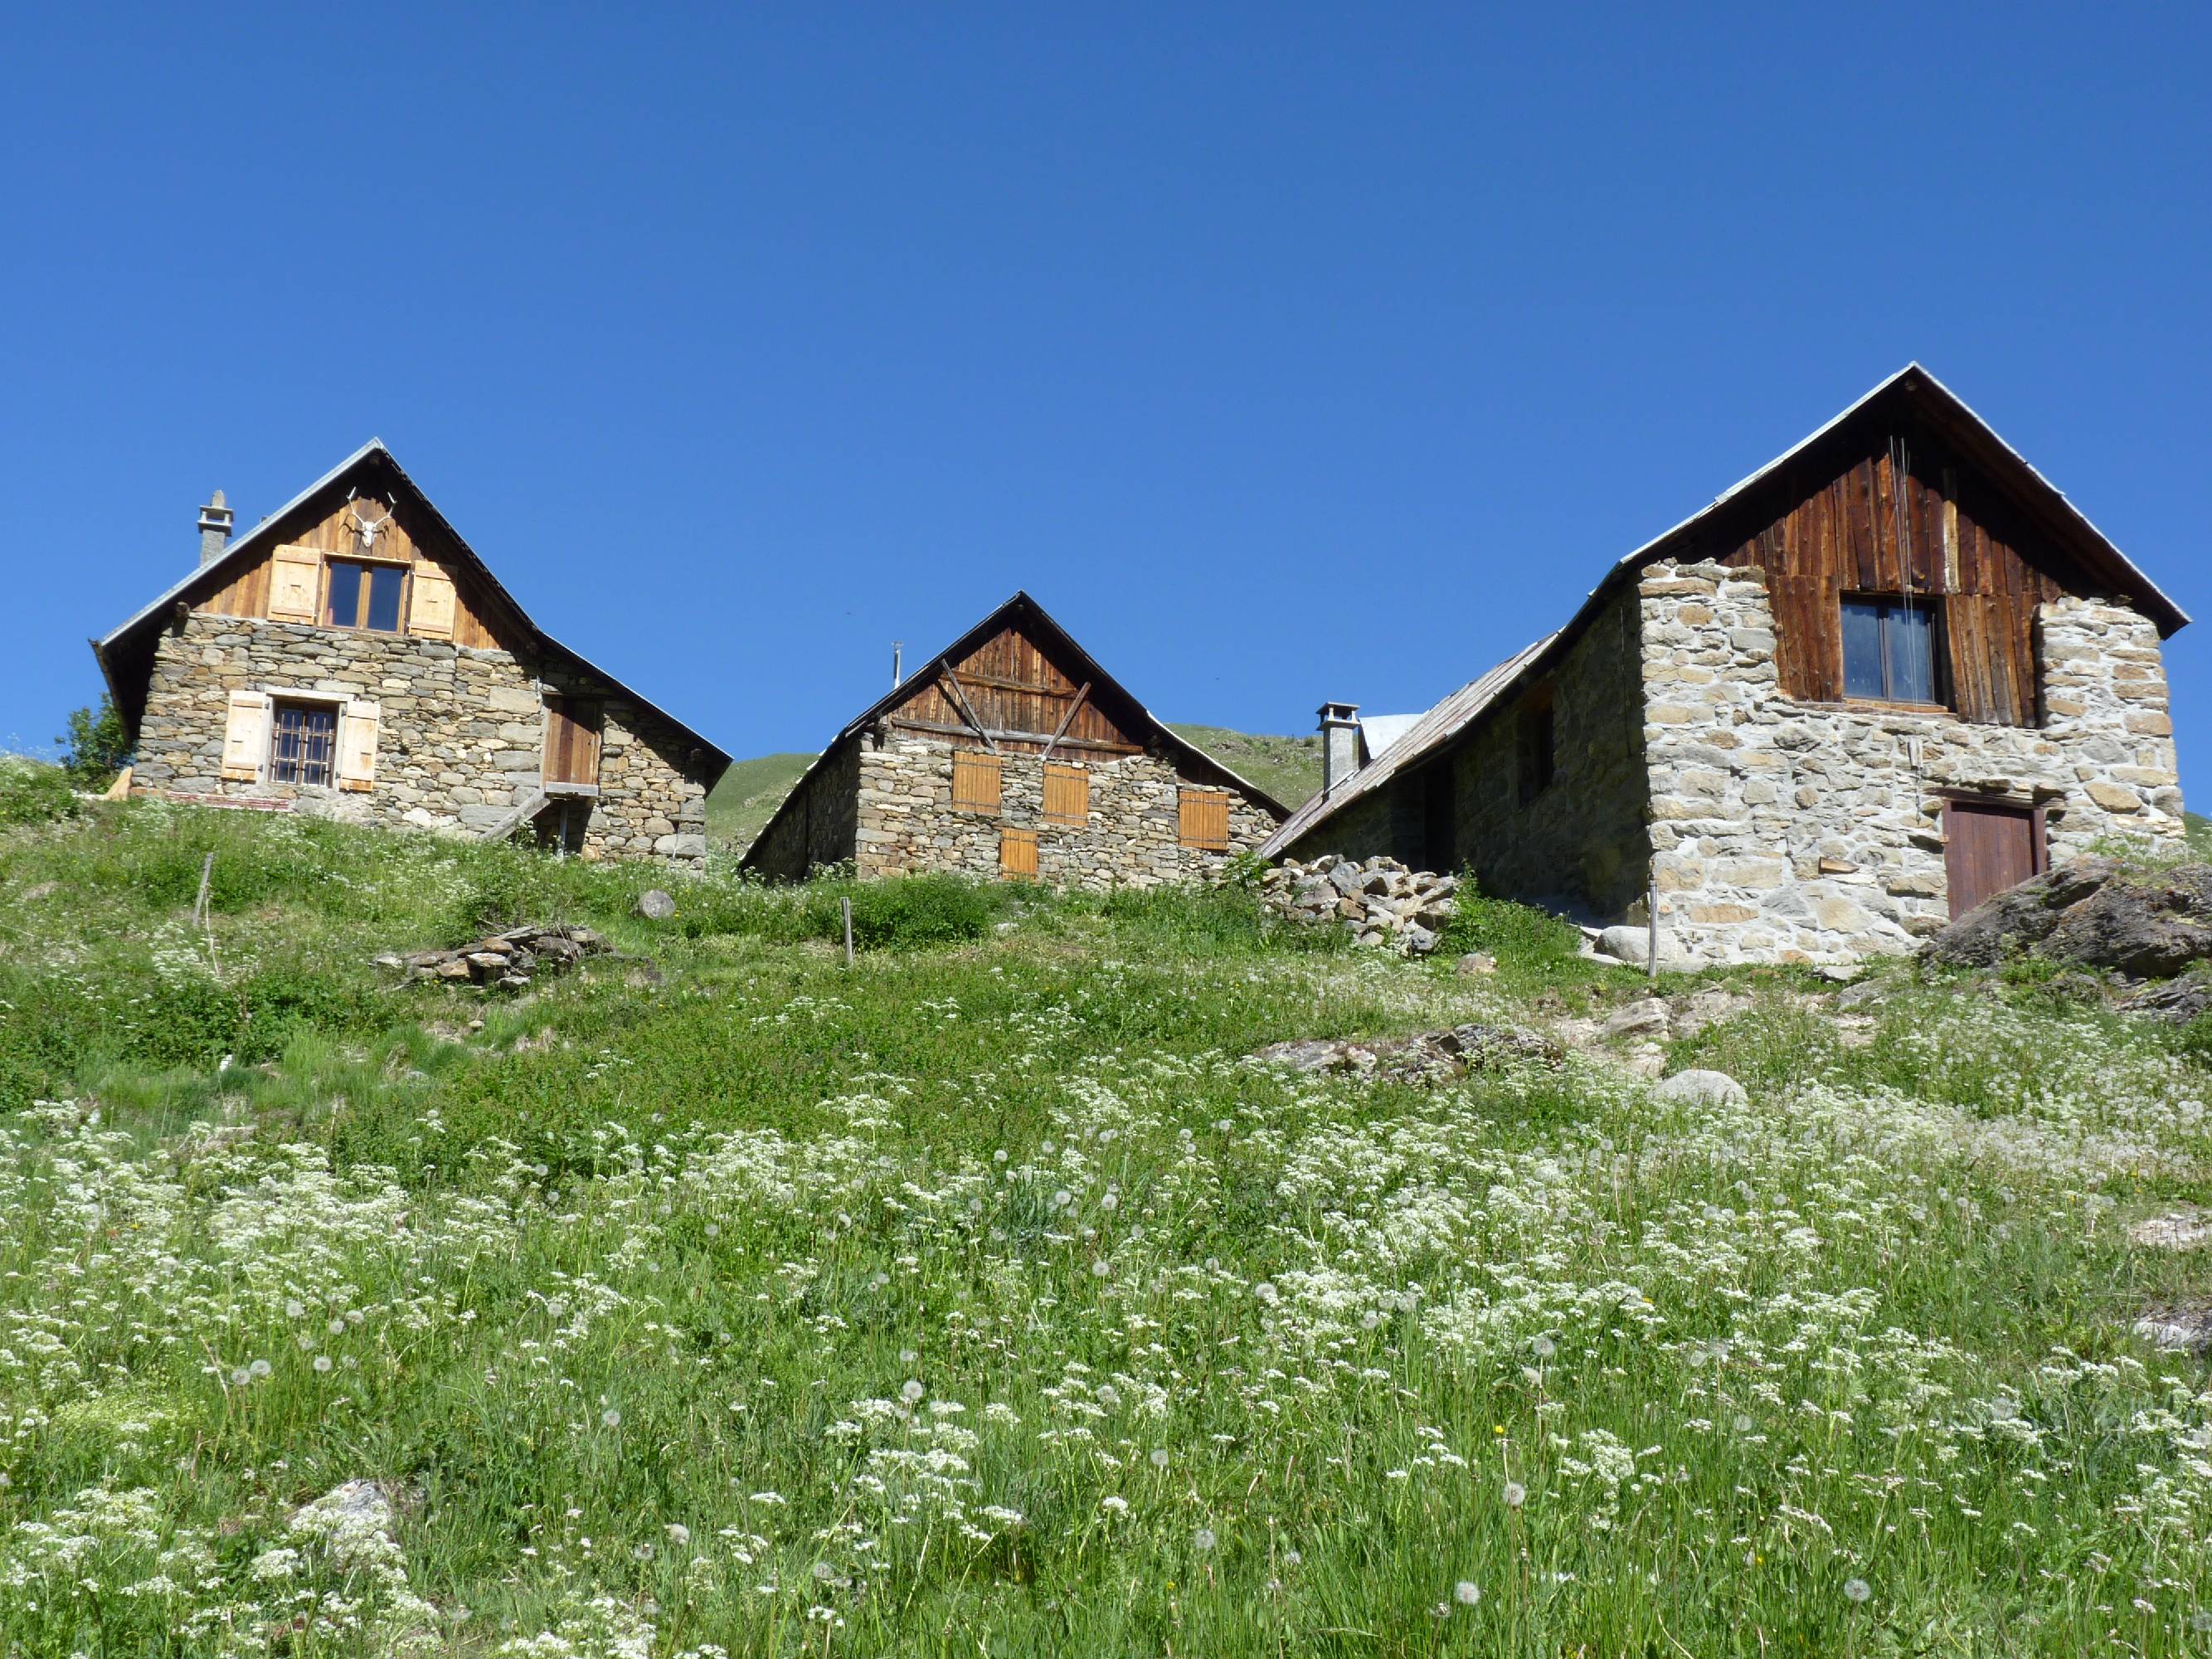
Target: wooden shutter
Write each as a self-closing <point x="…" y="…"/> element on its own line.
<point x="357" y="729"/>
<point x="295" y="583"/>
<point x="430" y="603"/>
<point x="572" y="741"/>
<point x="977" y="783"/>
<point x="246" y="736"/>
<point x="1017" y="855"/>
<point x="1808" y="637"/>
<point x="1204" y="818"/>
<point x="1066" y="794"/>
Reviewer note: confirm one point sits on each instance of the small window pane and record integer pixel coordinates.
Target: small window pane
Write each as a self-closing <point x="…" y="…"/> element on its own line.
<point x="383" y="599"/>
<point x="1863" y="666"/>
<point x="1911" y="635"/>
<point x="303" y="743"/>
<point x="345" y="594"/>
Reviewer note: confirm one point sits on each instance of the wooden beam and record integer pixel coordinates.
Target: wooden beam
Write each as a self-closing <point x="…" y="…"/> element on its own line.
<point x="960" y="701"/>
<point x="1061" y="731"/>
<point x="937" y="727"/>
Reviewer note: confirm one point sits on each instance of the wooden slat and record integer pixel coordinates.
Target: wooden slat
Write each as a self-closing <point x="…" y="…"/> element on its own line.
<point x="1203" y="817"/>
<point x="1808" y="648"/>
<point x="1017" y="855"/>
<point x="978" y="781"/>
<point x="1066" y="794"/>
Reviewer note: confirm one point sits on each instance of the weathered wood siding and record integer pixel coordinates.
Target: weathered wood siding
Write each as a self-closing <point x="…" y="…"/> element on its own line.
<point x="1849" y="520"/>
<point x="411" y="537"/>
<point x="1021" y="694"/>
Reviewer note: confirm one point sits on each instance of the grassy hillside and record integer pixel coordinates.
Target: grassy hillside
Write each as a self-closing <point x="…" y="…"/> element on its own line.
<point x="748" y="795"/>
<point x="2199" y="831"/>
<point x="1289" y="768"/>
<point x="979" y="1298"/>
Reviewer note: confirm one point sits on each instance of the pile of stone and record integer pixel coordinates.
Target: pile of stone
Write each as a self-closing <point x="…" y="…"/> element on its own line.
<point x="1426" y="1058"/>
<point x="509" y="961"/>
<point x="1379" y="901"/>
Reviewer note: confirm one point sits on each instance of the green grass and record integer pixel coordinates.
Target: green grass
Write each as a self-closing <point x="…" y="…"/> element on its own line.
<point x="746" y="797"/>
<point x="1289" y="768"/>
<point x="2197" y="829"/>
<point x="981" y="1298"/>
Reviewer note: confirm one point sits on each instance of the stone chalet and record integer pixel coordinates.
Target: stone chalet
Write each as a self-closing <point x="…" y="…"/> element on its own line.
<point x="1012" y="754"/>
<point x="351" y="656"/>
<point x="1892" y="672"/>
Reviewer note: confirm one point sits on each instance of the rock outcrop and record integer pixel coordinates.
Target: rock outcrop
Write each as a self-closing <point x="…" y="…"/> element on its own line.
<point x="508" y="960"/>
<point x="1379" y="901"/>
<point x="1427" y="1057"/>
<point x="2091" y="912"/>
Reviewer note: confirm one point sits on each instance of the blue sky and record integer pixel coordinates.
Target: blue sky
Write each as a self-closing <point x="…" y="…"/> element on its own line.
<point x="1284" y="353"/>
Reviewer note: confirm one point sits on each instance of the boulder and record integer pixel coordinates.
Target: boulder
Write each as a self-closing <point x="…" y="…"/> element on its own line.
<point x="2178" y="1330"/>
<point x="655" y="905"/>
<point x="1700" y="1089"/>
<point x="1630" y="942"/>
<point x="2092" y="913"/>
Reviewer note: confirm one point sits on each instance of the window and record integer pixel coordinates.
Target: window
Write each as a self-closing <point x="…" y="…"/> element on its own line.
<point x="1889" y="650"/>
<point x="572" y="741"/>
<point x="1203" y="817"/>
<point x="1066" y="794"/>
<point x="1017" y="855"/>
<point x="303" y="743"/>
<point x="365" y="596"/>
<point x="1535" y="745"/>
<point x="976" y="781"/>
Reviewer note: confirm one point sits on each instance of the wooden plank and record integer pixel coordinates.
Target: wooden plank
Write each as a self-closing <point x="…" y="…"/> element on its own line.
<point x="1061" y="731"/>
<point x="1017" y="855"/>
<point x="1066" y="794"/>
<point x="1202" y="818"/>
<point x="1001" y="734"/>
<point x="960" y="701"/>
<point x="978" y="781"/>
<point x="1807" y="638"/>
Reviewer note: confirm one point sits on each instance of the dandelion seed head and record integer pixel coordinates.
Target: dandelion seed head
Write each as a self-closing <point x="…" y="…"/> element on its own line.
<point x="336" y="1327"/>
<point x="1543" y="1347"/>
<point x="1516" y="1494"/>
<point x="296" y="1309"/>
<point x="322" y="1362"/>
<point x="643" y="1552"/>
<point x="910" y="1391"/>
<point x="1159" y="1457"/>
<point x="260" y="1368"/>
<point x="1292" y="1558"/>
<point x="1467" y="1592"/>
<point x="611" y="1417"/>
<point x="1856" y="1589"/>
<point x="1102" y="1268"/>
<point x="241" y="1378"/>
<point x="907" y="1356"/>
<point x="679" y="1534"/>
<point x="1202" y="1540"/>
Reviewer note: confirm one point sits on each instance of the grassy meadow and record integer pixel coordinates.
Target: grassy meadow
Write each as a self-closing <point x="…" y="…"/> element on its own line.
<point x="983" y="1298"/>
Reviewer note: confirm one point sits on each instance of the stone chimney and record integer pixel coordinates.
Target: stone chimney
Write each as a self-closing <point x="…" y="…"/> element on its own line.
<point x="1340" y="744"/>
<point x="215" y="530"/>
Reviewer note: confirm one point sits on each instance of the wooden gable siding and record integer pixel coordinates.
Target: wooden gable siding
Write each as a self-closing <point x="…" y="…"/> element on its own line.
<point x="1022" y="696"/>
<point x="326" y="527"/>
<point x="1840" y="529"/>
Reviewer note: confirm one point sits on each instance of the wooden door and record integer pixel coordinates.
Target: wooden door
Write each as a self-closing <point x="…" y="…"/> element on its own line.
<point x="572" y="741"/>
<point x="1990" y="846"/>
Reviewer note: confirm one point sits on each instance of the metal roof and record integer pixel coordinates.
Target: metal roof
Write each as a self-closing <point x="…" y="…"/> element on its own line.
<point x="1379" y="732"/>
<point x="250" y="543"/>
<point x="1943" y="408"/>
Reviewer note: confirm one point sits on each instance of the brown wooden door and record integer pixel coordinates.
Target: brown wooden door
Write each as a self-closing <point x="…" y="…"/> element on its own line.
<point x="572" y="741"/>
<point x="1990" y="846"/>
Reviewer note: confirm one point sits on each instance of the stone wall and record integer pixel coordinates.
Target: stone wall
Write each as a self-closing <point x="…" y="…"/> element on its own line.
<point x="459" y="741"/>
<point x="1797" y="832"/>
<point x="818" y="826"/>
<point x="1579" y="845"/>
<point x="907" y="821"/>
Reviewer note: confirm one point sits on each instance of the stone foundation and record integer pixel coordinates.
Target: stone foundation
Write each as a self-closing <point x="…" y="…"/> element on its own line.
<point x="1796" y="832"/>
<point x="460" y="737"/>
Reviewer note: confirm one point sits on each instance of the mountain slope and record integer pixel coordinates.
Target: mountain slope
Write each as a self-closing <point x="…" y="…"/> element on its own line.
<point x="748" y="795"/>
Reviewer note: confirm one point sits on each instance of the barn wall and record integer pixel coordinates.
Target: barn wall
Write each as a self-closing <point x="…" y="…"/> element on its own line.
<point x="908" y="821"/>
<point x="1580" y="845"/>
<point x="816" y="825"/>
<point x="458" y="741"/>
<point x="1796" y="831"/>
<point x="1858" y="524"/>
